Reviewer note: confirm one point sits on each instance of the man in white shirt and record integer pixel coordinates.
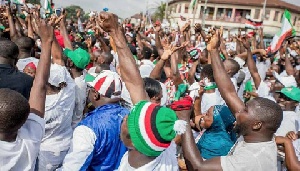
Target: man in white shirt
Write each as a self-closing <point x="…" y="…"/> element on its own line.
<point x="21" y="123"/>
<point x="256" y="121"/>
<point x="77" y="61"/>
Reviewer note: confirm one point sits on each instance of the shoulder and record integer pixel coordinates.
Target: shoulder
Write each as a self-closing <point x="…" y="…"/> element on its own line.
<point x="33" y="128"/>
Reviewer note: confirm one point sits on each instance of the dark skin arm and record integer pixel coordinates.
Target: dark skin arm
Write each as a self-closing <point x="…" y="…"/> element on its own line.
<point x="129" y="70"/>
<point x="64" y="33"/>
<point x="291" y="159"/>
<point x="38" y="90"/>
<point x="30" y="28"/>
<point x="12" y="30"/>
<point x="192" y="71"/>
<point x="222" y="79"/>
<point x="251" y="64"/>
<point x="288" y="65"/>
<point x="157" y="41"/>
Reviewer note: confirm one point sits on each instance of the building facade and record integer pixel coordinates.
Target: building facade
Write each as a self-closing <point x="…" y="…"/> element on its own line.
<point x="233" y="14"/>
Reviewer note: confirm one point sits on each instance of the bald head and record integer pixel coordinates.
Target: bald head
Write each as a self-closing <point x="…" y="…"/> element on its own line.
<point x="103" y="57"/>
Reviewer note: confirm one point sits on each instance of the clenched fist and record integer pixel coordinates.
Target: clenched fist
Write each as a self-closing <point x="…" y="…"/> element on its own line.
<point x="108" y="21"/>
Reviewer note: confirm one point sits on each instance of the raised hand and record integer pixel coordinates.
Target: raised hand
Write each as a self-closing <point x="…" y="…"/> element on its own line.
<point x="198" y="27"/>
<point x="292" y="135"/>
<point x="108" y="21"/>
<point x="245" y="43"/>
<point x="214" y="43"/>
<point x="158" y="28"/>
<point x="46" y="31"/>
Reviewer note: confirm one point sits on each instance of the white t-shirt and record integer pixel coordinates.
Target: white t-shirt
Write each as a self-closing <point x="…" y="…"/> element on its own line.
<point x="21" y="64"/>
<point x="59" y="111"/>
<point x="264" y="91"/>
<point x="251" y="157"/>
<point x="289" y="123"/>
<point x="166" y="161"/>
<point x="22" y="154"/>
<point x="262" y="68"/>
<point x="80" y="101"/>
<point x="146" y="68"/>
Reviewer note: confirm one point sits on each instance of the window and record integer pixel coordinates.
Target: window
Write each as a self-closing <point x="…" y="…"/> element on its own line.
<point x="256" y="13"/>
<point x="276" y="16"/>
<point x="267" y="14"/>
<point x="186" y="9"/>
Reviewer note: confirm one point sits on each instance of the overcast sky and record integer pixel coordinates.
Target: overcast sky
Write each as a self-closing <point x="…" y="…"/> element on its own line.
<point x="123" y="8"/>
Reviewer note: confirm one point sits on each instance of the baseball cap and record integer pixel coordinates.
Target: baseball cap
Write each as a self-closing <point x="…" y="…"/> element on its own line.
<point x="107" y="83"/>
<point x="129" y="34"/>
<point x="292" y="93"/>
<point x="288" y="81"/>
<point x="80" y="57"/>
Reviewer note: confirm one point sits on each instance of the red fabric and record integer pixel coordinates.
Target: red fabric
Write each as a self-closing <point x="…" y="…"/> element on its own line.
<point x="31" y="65"/>
<point x="89" y="66"/>
<point x="99" y="83"/>
<point x="148" y="128"/>
<point x="185" y="103"/>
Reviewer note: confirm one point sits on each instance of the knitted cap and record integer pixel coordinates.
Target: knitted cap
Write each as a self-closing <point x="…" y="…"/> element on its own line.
<point x="153" y="127"/>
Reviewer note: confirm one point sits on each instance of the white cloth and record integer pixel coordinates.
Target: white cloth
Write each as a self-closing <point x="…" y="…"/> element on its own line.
<point x="240" y="61"/>
<point x="296" y="145"/>
<point x="209" y="100"/>
<point x="164" y="98"/>
<point x="264" y="91"/>
<point x="22" y="154"/>
<point x="21" y="64"/>
<point x="251" y="157"/>
<point x="82" y="146"/>
<point x="59" y="111"/>
<point x="146" y="68"/>
<point x="262" y="68"/>
<point x="234" y="82"/>
<point x="80" y="101"/>
<point x="289" y="123"/>
<point x="166" y="161"/>
<point x="287" y="81"/>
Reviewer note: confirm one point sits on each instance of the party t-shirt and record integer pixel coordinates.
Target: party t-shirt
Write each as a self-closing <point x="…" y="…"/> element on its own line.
<point x="80" y="101"/>
<point x="22" y="153"/>
<point x="251" y="157"/>
<point x="288" y="123"/>
<point x="21" y="64"/>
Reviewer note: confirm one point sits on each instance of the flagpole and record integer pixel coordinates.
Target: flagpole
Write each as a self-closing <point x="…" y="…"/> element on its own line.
<point x="264" y="11"/>
<point x="203" y="16"/>
<point x="194" y="12"/>
<point x="166" y="10"/>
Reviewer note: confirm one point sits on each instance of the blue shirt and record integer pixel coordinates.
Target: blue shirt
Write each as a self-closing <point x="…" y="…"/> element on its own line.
<point x="105" y="121"/>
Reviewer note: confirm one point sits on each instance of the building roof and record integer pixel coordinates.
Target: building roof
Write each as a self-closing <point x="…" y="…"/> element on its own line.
<point x="270" y="3"/>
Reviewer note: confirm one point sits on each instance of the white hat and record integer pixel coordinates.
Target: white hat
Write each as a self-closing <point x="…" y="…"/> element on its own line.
<point x="57" y="75"/>
<point x="288" y="81"/>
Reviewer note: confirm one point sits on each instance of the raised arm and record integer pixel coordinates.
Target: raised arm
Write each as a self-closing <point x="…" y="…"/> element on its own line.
<point x="30" y="28"/>
<point x="291" y="159"/>
<point x="11" y="23"/>
<point x="288" y="65"/>
<point x="129" y="70"/>
<point x="38" y="90"/>
<point x="223" y="81"/>
<point x="64" y="33"/>
<point x="251" y="64"/>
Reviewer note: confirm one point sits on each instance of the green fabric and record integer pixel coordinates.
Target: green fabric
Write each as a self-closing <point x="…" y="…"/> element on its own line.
<point x="135" y="57"/>
<point x="79" y="57"/>
<point x="155" y="62"/>
<point x="292" y="93"/>
<point x="91" y="33"/>
<point x="164" y="122"/>
<point x="2" y="28"/>
<point x="180" y="91"/>
<point x="213" y="86"/>
<point x="248" y="86"/>
<point x="222" y="56"/>
<point x="89" y="78"/>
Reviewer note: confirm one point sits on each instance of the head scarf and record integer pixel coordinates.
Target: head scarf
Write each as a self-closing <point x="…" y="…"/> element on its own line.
<point x="216" y="140"/>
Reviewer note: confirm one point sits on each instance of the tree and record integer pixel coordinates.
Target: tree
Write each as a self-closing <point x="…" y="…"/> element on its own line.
<point x="160" y="12"/>
<point x="71" y="11"/>
<point x="33" y="1"/>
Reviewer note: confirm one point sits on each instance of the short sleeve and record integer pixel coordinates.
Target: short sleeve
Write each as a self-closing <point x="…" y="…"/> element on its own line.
<point x="81" y="151"/>
<point x="33" y="129"/>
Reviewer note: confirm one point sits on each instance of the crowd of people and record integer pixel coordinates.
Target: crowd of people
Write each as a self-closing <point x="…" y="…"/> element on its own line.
<point x="105" y="94"/>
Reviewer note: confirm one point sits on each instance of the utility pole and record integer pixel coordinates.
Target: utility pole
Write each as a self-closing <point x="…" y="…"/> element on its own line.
<point x="264" y="11"/>
<point x="203" y="16"/>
